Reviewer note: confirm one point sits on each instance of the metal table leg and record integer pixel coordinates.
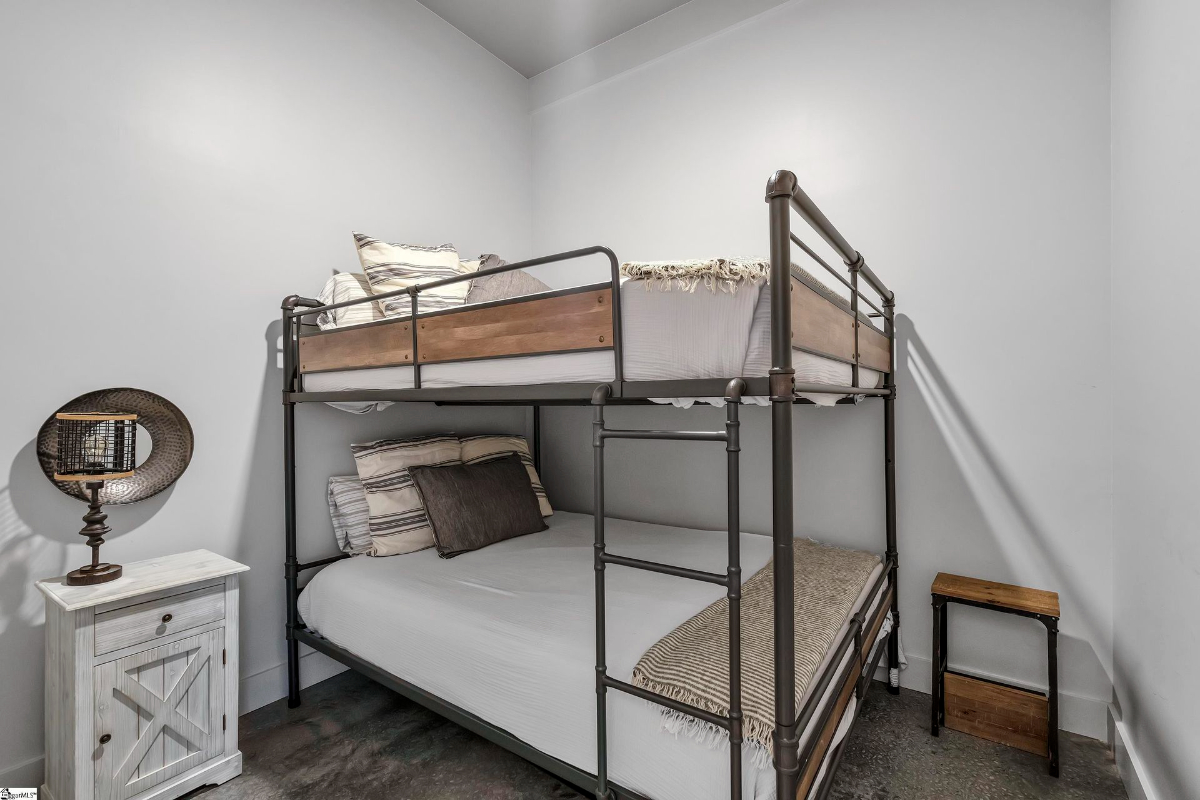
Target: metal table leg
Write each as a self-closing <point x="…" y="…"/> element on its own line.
<point x="936" y="707"/>
<point x="1052" y="694"/>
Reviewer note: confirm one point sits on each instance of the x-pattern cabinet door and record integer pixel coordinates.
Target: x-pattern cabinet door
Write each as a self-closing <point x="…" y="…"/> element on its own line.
<point x="162" y="709"/>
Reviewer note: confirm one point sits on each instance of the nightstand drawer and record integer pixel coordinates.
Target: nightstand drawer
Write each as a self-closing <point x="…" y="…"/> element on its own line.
<point x="145" y="622"/>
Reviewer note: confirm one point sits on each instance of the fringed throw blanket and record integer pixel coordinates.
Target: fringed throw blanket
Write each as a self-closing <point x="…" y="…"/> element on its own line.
<point x="691" y="664"/>
<point x="723" y="274"/>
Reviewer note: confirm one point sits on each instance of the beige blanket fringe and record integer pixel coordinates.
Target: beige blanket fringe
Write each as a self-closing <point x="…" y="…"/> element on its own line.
<point x="691" y="664"/>
<point x="723" y="274"/>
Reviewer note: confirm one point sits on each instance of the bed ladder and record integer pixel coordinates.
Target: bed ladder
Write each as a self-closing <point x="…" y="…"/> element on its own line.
<point x="731" y="580"/>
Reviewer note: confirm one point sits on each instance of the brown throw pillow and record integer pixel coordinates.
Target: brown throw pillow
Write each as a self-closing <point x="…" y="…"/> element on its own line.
<point x="473" y="505"/>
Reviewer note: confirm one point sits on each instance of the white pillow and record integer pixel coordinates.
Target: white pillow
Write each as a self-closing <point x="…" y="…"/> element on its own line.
<point x="398" y="520"/>
<point x="389" y="267"/>
<point x="340" y="288"/>
<point x="350" y="514"/>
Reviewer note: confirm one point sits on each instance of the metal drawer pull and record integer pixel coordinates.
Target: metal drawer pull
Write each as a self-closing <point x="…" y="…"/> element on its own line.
<point x="166" y="618"/>
<point x="106" y="738"/>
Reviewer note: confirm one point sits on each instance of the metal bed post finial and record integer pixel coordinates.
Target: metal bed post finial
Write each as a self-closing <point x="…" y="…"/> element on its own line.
<point x="781" y="189"/>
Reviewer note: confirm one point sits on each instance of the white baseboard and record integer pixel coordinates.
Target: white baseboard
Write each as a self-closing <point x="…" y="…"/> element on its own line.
<point x="26" y="775"/>
<point x="1133" y="774"/>
<point x="270" y="684"/>
<point x="1087" y="716"/>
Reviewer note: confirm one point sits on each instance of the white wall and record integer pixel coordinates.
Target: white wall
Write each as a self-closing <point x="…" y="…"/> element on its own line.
<point x="1155" y="197"/>
<point x="962" y="146"/>
<point x="170" y="172"/>
<point x="168" y="158"/>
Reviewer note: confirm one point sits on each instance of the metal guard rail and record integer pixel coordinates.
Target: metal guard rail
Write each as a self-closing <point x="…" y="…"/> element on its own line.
<point x="294" y="306"/>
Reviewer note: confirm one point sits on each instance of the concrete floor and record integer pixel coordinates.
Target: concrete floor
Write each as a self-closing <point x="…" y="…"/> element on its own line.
<point x="355" y="740"/>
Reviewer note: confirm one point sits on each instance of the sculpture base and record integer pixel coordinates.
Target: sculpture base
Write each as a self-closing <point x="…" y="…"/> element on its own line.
<point x="89" y="575"/>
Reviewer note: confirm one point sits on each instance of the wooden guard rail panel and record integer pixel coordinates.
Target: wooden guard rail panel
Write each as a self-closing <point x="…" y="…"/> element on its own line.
<point x="385" y="344"/>
<point x="825" y="328"/>
<point x="562" y="322"/>
<point x="579" y="321"/>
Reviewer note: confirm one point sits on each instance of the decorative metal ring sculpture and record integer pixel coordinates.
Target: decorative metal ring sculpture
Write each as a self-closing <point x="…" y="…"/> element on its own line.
<point x="170" y="450"/>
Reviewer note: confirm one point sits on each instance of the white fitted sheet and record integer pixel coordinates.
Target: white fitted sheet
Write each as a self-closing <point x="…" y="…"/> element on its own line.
<point x="507" y="633"/>
<point x="678" y="335"/>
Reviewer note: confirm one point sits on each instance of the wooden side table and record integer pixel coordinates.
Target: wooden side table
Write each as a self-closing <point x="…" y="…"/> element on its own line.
<point x="992" y="710"/>
<point x="142" y="680"/>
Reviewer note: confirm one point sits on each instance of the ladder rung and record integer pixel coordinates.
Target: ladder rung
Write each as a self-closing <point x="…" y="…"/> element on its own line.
<point x="662" y="700"/>
<point x="665" y="569"/>
<point x="686" y="436"/>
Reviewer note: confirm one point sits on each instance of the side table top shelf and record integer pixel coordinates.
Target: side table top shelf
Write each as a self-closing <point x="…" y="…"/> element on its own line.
<point x="1001" y="596"/>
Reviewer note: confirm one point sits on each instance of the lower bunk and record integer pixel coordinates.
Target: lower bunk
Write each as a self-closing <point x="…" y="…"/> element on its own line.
<point x="502" y="641"/>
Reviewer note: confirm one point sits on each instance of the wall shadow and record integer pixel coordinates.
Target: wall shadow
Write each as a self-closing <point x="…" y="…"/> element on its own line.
<point x="55" y="516"/>
<point x="24" y="558"/>
<point x="1019" y="539"/>
<point x="260" y="527"/>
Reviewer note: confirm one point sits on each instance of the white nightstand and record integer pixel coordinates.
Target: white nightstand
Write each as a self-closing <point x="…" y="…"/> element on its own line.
<point x="142" y="680"/>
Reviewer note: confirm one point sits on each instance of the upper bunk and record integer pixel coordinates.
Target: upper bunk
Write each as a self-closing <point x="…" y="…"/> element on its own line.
<point x="645" y="344"/>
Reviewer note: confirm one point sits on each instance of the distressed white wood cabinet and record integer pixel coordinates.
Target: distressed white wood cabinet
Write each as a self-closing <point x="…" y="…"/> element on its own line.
<point x="142" y="680"/>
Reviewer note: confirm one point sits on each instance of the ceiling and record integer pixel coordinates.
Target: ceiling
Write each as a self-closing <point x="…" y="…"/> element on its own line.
<point x="531" y="36"/>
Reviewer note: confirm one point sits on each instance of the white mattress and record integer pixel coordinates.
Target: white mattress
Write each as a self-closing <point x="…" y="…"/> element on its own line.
<point x="673" y="335"/>
<point x="507" y="633"/>
<point x="593" y="366"/>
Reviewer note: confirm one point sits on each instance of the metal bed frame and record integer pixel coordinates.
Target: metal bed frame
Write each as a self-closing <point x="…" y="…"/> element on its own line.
<point x="783" y="195"/>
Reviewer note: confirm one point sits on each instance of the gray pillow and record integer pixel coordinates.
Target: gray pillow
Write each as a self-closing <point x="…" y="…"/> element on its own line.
<point x="473" y="505"/>
<point x="503" y="286"/>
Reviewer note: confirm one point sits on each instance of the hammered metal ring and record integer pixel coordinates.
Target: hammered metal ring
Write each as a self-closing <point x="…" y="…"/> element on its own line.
<point x="170" y="449"/>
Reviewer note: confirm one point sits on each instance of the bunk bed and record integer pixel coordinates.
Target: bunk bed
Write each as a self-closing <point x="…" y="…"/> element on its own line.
<point x="566" y="347"/>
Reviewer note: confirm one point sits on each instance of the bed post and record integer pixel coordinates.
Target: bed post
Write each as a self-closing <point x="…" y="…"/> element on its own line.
<point x="599" y="397"/>
<point x="889" y="445"/>
<point x="733" y="591"/>
<point x="290" y="570"/>
<point x="782" y="382"/>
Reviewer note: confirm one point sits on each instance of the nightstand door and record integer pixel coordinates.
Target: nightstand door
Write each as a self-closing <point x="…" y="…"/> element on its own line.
<point x="163" y="709"/>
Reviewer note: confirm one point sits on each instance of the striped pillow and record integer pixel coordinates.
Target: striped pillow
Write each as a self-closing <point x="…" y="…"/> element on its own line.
<point x="477" y="449"/>
<point x="398" y="266"/>
<point x="398" y="521"/>
<point x="342" y="287"/>
<point x="350" y="514"/>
